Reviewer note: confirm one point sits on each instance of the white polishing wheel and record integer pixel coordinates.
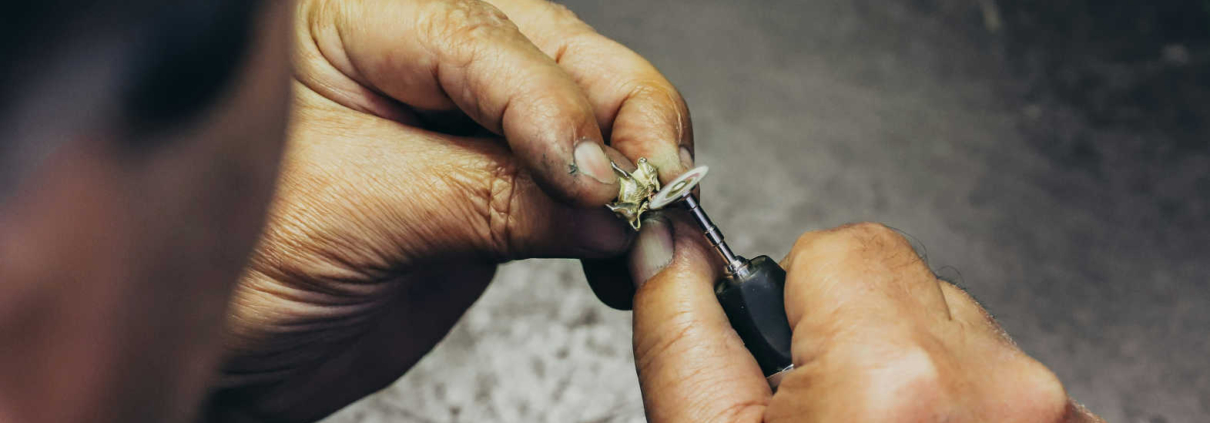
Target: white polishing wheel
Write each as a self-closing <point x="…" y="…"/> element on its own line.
<point x="678" y="188"/>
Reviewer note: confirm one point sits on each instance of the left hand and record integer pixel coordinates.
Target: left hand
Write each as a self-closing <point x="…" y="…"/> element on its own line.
<point x="386" y="226"/>
<point x="877" y="337"/>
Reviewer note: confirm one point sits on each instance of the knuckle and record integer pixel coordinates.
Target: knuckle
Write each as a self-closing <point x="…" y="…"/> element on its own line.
<point x="1038" y="395"/>
<point x="561" y="13"/>
<point x="919" y="383"/>
<point x="563" y="21"/>
<point x="673" y="107"/>
<point x="654" y="88"/>
<point x="659" y="93"/>
<point x="866" y="239"/>
<point x="564" y="31"/>
<point x="804" y="248"/>
<point x="914" y="368"/>
<point x="571" y="38"/>
<point x="655" y="103"/>
<point x="462" y="26"/>
<point x="911" y="386"/>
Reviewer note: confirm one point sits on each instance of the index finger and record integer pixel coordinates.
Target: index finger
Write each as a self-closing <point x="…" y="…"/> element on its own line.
<point x="640" y="111"/>
<point x="432" y="55"/>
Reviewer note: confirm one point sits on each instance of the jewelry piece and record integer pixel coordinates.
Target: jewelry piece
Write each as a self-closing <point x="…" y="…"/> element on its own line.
<point x="750" y="291"/>
<point x="639" y="191"/>
<point x="634" y="191"/>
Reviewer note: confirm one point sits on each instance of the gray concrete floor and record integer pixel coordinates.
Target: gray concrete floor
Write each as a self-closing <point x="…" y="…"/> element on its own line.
<point x="814" y="114"/>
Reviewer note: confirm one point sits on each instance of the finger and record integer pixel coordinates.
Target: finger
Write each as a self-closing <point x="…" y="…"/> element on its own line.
<point x="889" y="252"/>
<point x="640" y="111"/>
<point x="609" y="278"/>
<point x="466" y="53"/>
<point x="430" y="194"/>
<point x="643" y="113"/>
<point x="610" y="281"/>
<point x="856" y="280"/>
<point x="692" y="366"/>
<point x="537" y="225"/>
<point x="875" y="334"/>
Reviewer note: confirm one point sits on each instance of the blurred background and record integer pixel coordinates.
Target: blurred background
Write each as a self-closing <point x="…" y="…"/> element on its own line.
<point x="1051" y="156"/>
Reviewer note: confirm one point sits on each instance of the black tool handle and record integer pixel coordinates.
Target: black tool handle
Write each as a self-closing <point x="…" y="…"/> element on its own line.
<point x="753" y="298"/>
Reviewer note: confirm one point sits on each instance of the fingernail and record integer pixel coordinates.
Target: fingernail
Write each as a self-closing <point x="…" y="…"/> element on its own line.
<point x="591" y="160"/>
<point x="652" y="250"/>
<point x="686" y="158"/>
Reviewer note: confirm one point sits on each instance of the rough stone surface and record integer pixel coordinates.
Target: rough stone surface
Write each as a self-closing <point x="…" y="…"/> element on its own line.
<point x="1083" y="238"/>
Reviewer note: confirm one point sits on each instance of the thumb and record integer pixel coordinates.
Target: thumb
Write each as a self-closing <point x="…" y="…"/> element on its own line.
<point x="435" y="55"/>
<point x="692" y="366"/>
<point x="380" y="195"/>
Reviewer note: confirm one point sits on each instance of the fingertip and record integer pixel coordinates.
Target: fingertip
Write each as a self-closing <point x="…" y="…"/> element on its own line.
<point x="653" y="249"/>
<point x="590" y="160"/>
<point x="686" y="156"/>
<point x="653" y="122"/>
<point x="619" y="159"/>
<point x="692" y="260"/>
<point x="673" y="160"/>
<point x="692" y="251"/>
<point x="615" y="280"/>
<point x="582" y="178"/>
<point x="566" y="183"/>
<point x="666" y="158"/>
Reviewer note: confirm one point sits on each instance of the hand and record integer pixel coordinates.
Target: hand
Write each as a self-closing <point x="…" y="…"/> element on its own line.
<point x="877" y="338"/>
<point x="398" y="198"/>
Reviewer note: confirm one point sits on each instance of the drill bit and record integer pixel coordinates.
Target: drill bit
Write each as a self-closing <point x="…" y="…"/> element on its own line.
<point x="713" y="234"/>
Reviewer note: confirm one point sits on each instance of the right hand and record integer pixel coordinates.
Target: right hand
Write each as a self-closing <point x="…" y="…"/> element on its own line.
<point x="876" y="338"/>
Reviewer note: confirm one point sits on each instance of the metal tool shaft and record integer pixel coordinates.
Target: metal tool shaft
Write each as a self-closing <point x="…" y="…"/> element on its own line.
<point x="752" y="295"/>
<point x="713" y="234"/>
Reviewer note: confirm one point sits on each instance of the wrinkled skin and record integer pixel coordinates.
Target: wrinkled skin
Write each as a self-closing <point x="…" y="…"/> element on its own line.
<point x="876" y="338"/>
<point x="386" y="226"/>
<point x="121" y="246"/>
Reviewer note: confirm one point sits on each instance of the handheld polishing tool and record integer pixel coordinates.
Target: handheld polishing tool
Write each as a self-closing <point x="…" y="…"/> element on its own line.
<point x="750" y="291"/>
